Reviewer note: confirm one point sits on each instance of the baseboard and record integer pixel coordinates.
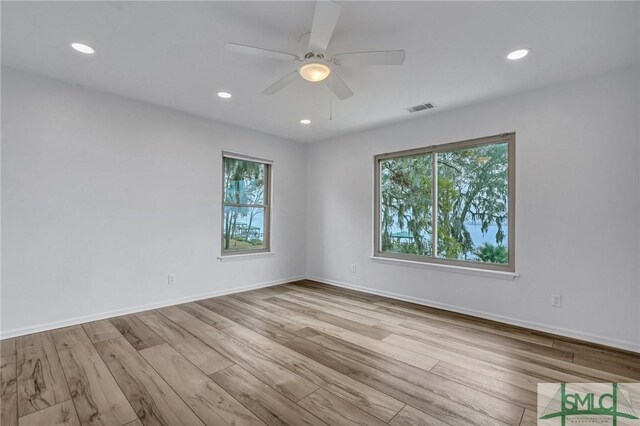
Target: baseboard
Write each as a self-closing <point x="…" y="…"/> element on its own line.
<point x="545" y="328"/>
<point x="134" y="309"/>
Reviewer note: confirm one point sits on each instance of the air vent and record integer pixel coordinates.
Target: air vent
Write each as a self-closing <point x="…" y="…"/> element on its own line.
<point x="421" y="107"/>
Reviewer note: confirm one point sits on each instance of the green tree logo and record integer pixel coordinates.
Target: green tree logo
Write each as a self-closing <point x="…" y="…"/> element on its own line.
<point x="607" y="404"/>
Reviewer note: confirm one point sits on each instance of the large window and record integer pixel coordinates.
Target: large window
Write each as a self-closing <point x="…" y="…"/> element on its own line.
<point x="246" y="204"/>
<point x="448" y="204"/>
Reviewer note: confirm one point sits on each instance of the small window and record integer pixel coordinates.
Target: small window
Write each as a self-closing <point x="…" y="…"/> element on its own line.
<point x="448" y="204"/>
<point x="245" y="227"/>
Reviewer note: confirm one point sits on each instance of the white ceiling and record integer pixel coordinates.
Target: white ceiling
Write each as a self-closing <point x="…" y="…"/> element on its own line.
<point x="171" y="54"/>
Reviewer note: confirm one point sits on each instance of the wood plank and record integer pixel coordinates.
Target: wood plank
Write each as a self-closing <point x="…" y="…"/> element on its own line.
<point x="345" y="356"/>
<point x="342" y="292"/>
<point x="514" y="333"/>
<point x="439" y="397"/>
<point x="7" y="347"/>
<point x="8" y="391"/>
<point x="150" y="396"/>
<point x="592" y="350"/>
<point x="415" y="312"/>
<point x="339" y="321"/>
<point x="270" y="406"/>
<point x="507" y="374"/>
<point x="487" y="384"/>
<point x="269" y="291"/>
<point x="609" y="365"/>
<point x="41" y="382"/>
<point x="208" y="400"/>
<point x="273" y="374"/>
<point x="194" y="349"/>
<point x="96" y="395"/>
<point x="378" y="346"/>
<point x="546" y="369"/>
<point x="364" y="397"/>
<point x="357" y="313"/>
<point x="346" y="300"/>
<point x="381" y="362"/>
<point x="530" y="418"/>
<point x="254" y="311"/>
<point x="250" y="298"/>
<point x="99" y="331"/>
<point x="471" y="379"/>
<point x="485" y="340"/>
<point x="265" y="328"/>
<point x="530" y="363"/>
<point x="175" y="314"/>
<point x="343" y="313"/>
<point x="531" y="353"/>
<point x="335" y="411"/>
<point x="136" y="332"/>
<point x="207" y="316"/>
<point x="62" y="414"/>
<point x="410" y="416"/>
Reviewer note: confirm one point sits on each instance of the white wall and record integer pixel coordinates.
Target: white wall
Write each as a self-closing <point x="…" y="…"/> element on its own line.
<point x="578" y="210"/>
<point x="103" y="197"/>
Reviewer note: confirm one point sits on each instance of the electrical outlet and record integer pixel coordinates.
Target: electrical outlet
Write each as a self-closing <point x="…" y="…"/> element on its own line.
<point x="172" y="279"/>
<point x="556" y="300"/>
<point x="353" y="268"/>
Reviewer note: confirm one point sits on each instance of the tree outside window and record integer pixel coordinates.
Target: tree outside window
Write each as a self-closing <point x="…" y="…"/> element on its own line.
<point x="246" y="206"/>
<point x="450" y="203"/>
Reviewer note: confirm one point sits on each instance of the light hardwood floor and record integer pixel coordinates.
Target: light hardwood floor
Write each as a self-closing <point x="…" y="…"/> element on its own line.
<point x="301" y="354"/>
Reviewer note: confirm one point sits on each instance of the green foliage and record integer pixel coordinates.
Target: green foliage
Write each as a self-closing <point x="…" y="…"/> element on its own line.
<point x="406" y="204"/>
<point x="448" y="245"/>
<point x="472" y="188"/>
<point x="492" y="253"/>
<point x="243" y="184"/>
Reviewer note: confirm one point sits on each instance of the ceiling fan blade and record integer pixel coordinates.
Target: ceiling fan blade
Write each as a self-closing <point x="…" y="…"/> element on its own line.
<point x="339" y="87"/>
<point x="325" y="19"/>
<point x="280" y="84"/>
<point x="258" y="51"/>
<point x="383" y="57"/>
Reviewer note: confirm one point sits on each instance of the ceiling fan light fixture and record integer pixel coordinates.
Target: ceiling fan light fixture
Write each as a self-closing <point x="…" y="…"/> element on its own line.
<point x="314" y="71"/>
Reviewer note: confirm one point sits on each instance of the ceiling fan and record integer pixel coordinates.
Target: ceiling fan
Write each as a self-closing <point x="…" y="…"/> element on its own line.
<point x="314" y="67"/>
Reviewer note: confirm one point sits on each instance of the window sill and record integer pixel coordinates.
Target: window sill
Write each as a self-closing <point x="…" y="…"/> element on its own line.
<point x="245" y="256"/>
<point x="510" y="276"/>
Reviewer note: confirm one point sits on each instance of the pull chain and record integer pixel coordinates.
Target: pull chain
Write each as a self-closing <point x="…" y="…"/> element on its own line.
<point x="331" y="97"/>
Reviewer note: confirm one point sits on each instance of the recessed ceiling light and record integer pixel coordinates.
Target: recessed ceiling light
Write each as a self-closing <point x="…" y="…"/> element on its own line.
<point x="305" y="121"/>
<point x="83" y="48"/>
<point x="224" y="95"/>
<point x="518" y="54"/>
